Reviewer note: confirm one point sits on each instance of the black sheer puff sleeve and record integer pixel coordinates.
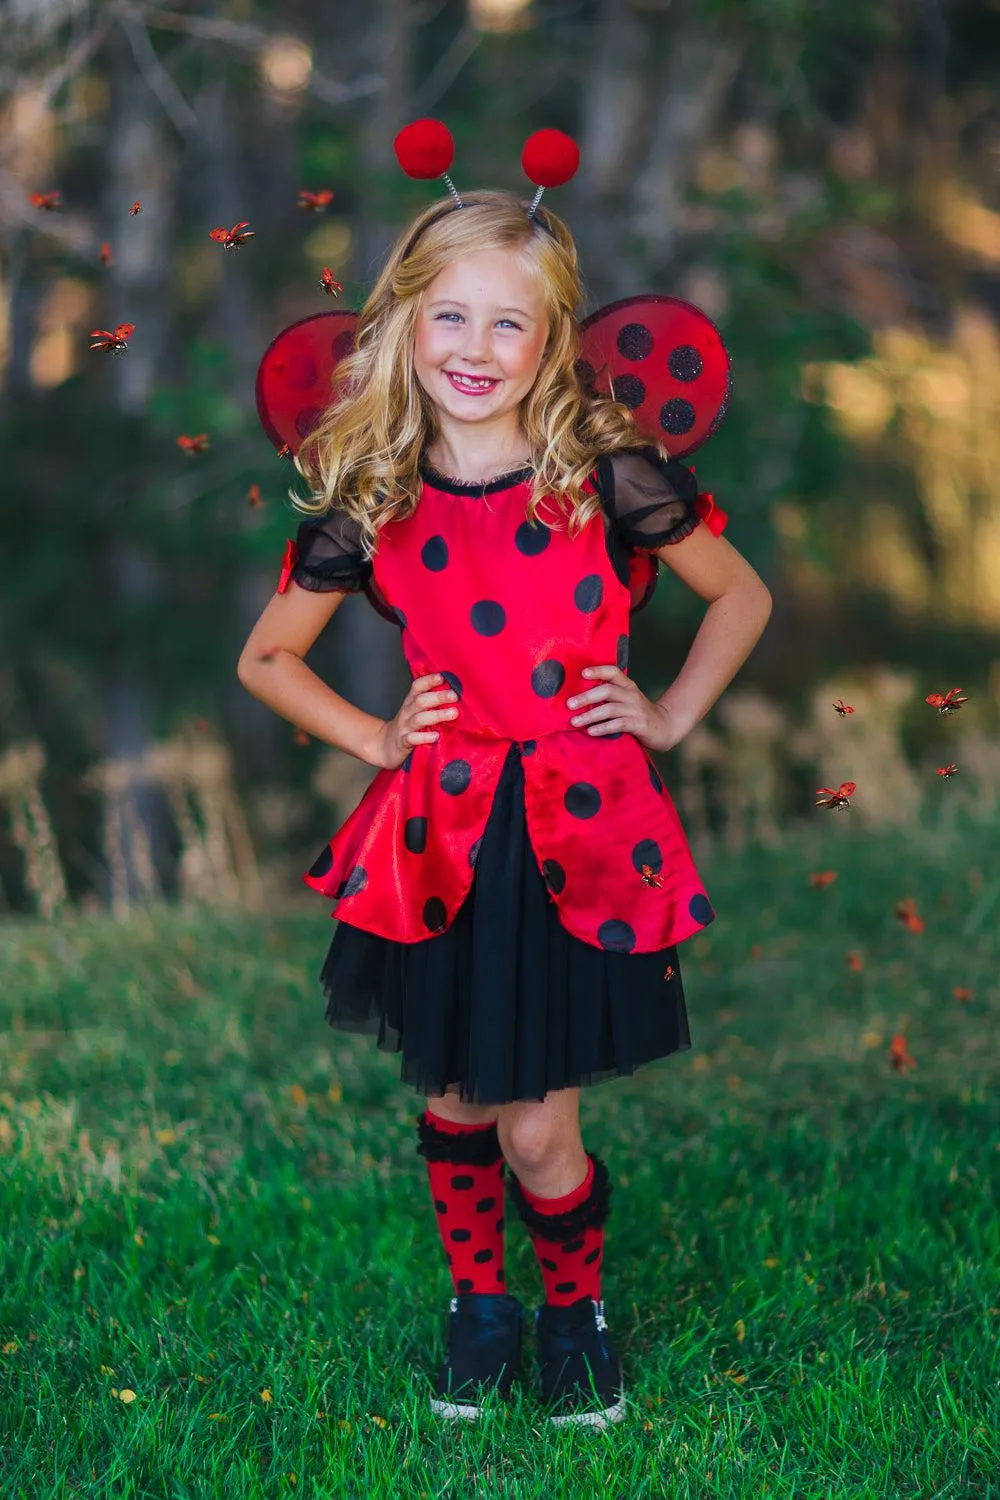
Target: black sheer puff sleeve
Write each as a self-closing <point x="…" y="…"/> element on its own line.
<point x="330" y="555"/>
<point x="649" y="499"/>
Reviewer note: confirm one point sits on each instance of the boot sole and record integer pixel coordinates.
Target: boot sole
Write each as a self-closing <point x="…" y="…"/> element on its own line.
<point x="598" y="1419"/>
<point x="453" y="1411"/>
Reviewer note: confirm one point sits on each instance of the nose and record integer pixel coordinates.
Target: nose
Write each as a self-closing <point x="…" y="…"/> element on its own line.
<point x="476" y="344"/>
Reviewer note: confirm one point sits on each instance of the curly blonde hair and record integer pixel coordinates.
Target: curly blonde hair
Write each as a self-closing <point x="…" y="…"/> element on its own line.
<point x="364" y="456"/>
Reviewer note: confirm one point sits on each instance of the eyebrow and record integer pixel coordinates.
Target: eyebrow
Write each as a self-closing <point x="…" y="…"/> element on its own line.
<point x="450" y="302"/>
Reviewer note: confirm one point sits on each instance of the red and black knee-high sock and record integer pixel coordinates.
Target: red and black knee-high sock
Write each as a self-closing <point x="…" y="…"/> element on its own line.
<point x="568" y="1234"/>
<point x="465" y="1166"/>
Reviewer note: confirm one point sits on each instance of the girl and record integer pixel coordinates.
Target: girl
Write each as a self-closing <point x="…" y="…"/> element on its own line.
<point x="513" y="883"/>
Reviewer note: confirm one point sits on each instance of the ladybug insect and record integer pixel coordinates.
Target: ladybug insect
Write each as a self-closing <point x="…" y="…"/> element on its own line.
<point x="314" y="201"/>
<point x="947" y="771"/>
<point x="198" y="444"/>
<point x="136" y="208"/>
<point x="232" y="239"/>
<point x="48" y="201"/>
<point x="648" y="877"/>
<point x="946" y="703"/>
<point x="107" y="255"/>
<point x="669" y="972"/>
<point x="113" y="343"/>
<point x="843" y="708"/>
<point x="836" y="799"/>
<point x="326" y="281"/>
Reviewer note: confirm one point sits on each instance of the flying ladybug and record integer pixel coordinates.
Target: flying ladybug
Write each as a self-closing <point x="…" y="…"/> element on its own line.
<point x="843" y="708"/>
<point x="232" y="239"/>
<point x="326" y="281"/>
<point x="113" y="343"/>
<point x="651" y="879"/>
<point x="49" y="201"/>
<point x="314" y="201"/>
<point x="946" y="703"/>
<point x="947" y="771"/>
<point x="836" y="799"/>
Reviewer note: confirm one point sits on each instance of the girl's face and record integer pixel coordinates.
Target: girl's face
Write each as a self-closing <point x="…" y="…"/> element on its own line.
<point x="480" y="336"/>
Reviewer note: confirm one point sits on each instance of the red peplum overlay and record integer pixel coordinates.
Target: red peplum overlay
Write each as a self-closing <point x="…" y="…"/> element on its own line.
<point x="510" y="613"/>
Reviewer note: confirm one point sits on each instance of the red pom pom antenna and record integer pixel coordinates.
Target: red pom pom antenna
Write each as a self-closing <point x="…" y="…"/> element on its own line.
<point x="425" y="149"/>
<point x="549" y="159"/>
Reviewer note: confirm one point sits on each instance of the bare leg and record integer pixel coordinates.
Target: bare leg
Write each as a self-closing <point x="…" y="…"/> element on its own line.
<point x="541" y="1142"/>
<point x="449" y="1107"/>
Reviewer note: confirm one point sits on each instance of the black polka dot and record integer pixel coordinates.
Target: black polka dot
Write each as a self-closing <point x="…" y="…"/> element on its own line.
<point x="460" y="1236"/>
<point x="500" y="1224"/>
<point x="621" y="653"/>
<point x="647" y="852"/>
<point x="635" y="341"/>
<point x="528" y="747"/>
<point x="500" y="1274"/>
<point x="554" y="875"/>
<point x="677" y="416"/>
<point x="461" y="1182"/>
<point x="415" y="835"/>
<point x="399" y="616"/>
<point x="320" y="866"/>
<point x="616" y="734"/>
<point x="482" y="1256"/>
<point x="455" y="683"/>
<point x="582" y="800"/>
<point x="701" y="909"/>
<point x="474" y="851"/>
<point x="616" y="936"/>
<point x="343" y="344"/>
<point x="441" y="1207"/>
<point x="487" y="617"/>
<point x="565" y="1286"/>
<point x="307" y="420"/>
<point x="549" y="1265"/>
<point x="485" y="1204"/>
<point x="629" y="390"/>
<point x="588" y="1260"/>
<point x="464" y="1284"/>
<point x="572" y="1246"/>
<point x="355" y="882"/>
<point x="531" y="538"/>
<point x="685" y="363"/>
<point x="654" y="777"/>
<point x="548" y="677"/>
<point x="588" y="593"/>
<point x="434" y="553"/>
<point x="435" y="914"/>
<point x="408" y="762"/>
<point x="455" y="777"/>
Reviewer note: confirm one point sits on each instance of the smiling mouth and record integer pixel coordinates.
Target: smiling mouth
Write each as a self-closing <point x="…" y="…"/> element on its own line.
<point x="473" y="384"/>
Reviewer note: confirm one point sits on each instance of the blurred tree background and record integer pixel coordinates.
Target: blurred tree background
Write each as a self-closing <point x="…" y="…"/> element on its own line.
<point x="820" y="177"/>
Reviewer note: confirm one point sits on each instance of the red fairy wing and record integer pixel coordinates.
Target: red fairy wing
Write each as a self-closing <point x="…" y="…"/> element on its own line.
<point x="665" y="360"/>
<point x="294" y="380"/>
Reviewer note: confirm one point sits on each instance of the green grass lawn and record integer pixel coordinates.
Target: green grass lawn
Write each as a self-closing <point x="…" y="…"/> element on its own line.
<point x="220" y="1272"/>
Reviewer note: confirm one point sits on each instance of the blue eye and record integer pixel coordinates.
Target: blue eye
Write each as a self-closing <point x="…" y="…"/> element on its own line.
<point x="439" y="316"/>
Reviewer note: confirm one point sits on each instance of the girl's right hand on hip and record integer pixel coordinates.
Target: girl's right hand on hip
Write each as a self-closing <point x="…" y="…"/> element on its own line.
<point x="425" y="704"/>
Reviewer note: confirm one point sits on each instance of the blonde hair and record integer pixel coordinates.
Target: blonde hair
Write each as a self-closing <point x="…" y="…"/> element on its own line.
<point x="364" y="456"/>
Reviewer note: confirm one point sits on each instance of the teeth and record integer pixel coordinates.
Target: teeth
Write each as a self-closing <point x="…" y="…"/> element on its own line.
<point x="476" y="385"/>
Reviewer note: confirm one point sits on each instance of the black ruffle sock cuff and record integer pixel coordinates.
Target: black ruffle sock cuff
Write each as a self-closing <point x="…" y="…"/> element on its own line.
<point x="475" y="1148"/>
<point x="592" y="1213"/>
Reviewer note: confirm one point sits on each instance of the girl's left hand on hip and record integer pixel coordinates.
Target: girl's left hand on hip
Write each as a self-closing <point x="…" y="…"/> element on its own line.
<point x="617" y="705"/>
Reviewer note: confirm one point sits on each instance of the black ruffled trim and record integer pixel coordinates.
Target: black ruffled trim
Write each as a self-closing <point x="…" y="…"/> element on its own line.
<point x="349" y="576"/>
<point x="479" y="1148"/>
<point x="592" y="1213"/>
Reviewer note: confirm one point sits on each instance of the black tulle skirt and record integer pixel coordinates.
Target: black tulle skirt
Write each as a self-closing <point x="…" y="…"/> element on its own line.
<point x="506" y="1004"/>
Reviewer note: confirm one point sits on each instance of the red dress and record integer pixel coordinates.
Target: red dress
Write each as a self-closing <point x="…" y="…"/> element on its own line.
<point x="509" y="613"/>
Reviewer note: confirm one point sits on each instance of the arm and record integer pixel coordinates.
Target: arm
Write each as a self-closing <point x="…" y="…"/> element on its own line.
<point x="272" y="669"/>
<point x="739" y="607"/>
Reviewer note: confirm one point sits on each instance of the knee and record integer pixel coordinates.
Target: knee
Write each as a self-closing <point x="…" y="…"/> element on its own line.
<point x="529" y="1142"/>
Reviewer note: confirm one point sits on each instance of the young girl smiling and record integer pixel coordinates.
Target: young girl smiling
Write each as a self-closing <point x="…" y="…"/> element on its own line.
<point x="512" y="886"/>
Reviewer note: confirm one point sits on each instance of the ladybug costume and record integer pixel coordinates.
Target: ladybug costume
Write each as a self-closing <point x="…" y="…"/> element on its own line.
<point x="509" y="899"/>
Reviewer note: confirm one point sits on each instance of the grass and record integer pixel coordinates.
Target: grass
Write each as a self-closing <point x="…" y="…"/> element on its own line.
<point x="220" y="1272"/>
